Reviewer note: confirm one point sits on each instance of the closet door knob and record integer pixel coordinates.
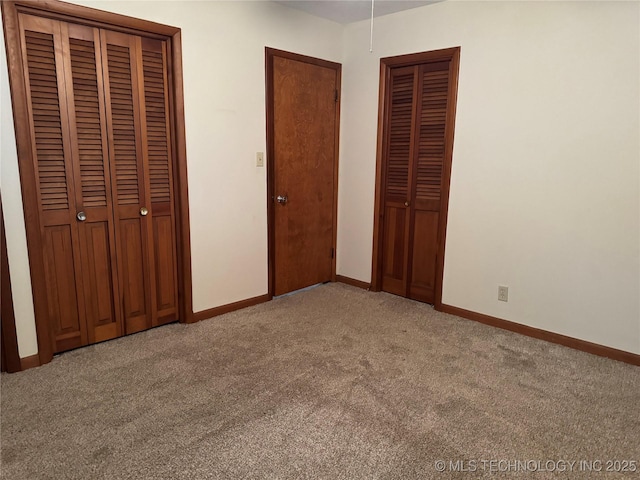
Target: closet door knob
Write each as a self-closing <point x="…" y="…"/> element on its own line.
<point x="406" y="204"/>
<point x="144" y="211"/>
<point x="81" y="216"/>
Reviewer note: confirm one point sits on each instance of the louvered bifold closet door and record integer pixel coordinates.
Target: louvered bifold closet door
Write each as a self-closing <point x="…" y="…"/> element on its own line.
<point x="121" y="55"/>
<point x="140" y="154"/>
<point x="399" y="170"/>
<point x="427" y="180"/>
<point x="44" y="73"/>
<point x="157" y="148"/>
<point x="92" y="181"/>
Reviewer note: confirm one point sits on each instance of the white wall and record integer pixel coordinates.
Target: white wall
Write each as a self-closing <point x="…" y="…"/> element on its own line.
<point x="224" y="83"/>
<point x="546" y="163"/>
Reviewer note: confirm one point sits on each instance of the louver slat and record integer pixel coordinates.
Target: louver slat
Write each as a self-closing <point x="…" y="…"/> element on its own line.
<point x="122" y="118"/>
<point x="397" y="175"/>
<point x="47" y="125"/>
<point x="157" y="134"/>
<point x="431" y="141"/>
<point x="88" y="126"/>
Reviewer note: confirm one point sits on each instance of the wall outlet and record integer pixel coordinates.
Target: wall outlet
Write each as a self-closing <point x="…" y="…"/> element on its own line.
<point x="259" y="159"/>
<point x="503" y="293"/>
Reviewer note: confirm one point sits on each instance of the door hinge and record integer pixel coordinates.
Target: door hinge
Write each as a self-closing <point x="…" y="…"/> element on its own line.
<point x="336" y="96"/>
<point x="333" y="252"/>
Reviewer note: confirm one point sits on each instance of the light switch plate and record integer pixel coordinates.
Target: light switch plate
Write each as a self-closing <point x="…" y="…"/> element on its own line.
<point x="259" y="159"/>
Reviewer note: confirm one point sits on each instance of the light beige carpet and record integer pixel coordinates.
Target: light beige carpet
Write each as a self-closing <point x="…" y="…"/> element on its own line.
<point x="332" y="383"/>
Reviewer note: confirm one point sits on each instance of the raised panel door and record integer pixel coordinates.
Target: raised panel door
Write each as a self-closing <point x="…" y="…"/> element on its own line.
<point x="43" y="47"/>
<point x="429" y="160"/>
<point x="398" y="175"/>
<point x="122" y="80"/>
<point x="159" y="180"/>
<point x="92" y="181"/>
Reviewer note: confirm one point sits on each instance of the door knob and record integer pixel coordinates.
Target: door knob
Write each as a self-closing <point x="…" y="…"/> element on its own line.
<point x="144" y="211"/>
<point x="81" y="216"/>
<point x="282" y="199"/>
<point x="406" y="204"/>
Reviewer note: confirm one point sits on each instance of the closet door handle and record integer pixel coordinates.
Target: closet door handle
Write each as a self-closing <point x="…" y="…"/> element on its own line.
<point x="407" y="203"/>
<point x="143" y="211"/>
<point x="81" y="216"/>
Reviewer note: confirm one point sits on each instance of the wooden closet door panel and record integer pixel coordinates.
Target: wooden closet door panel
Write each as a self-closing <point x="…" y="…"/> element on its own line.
<point x="122" y="78"/>
<point x="62" y="292"/>
<point x="394" y="252"/>
<point x="427" y="182"/>
<point x="424" y="256"/>
<point x="157" y="134"/>
<point x="135" y="295"/>
<point x="92" y="181"/>
<point x="398" y="175"/>
<point x="43" y="50"/>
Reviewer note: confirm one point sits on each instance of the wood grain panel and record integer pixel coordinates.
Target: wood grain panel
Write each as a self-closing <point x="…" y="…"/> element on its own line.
<point x="394" y="255"/>
<point x="304" y="125"/>
<point x="133" y="276"/>
<point x="100" y="313"/>
<point x="69" y="331"/>
<point x="424" y="254"/>
<point x="165" y="275"/>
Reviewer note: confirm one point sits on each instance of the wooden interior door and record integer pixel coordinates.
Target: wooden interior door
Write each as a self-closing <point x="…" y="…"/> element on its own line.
<point x="416" y="162"/>
<point x="305" y="111"/>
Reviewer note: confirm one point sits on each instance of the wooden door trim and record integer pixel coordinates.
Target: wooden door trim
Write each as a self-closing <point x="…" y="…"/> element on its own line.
<point x="384" y="98"/>
<point x="8" y="328"/>
<point x="270" y="53"/>
<point x="100" y="19"/>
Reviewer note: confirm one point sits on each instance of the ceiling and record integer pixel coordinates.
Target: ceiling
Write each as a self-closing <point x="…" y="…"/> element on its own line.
<point x="348" y="11"/>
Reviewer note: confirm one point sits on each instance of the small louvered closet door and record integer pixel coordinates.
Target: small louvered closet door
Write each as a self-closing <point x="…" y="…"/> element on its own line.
<point x="101" y="154"/>
<point x="414" y="162"/>
<point x="140" y="153"/>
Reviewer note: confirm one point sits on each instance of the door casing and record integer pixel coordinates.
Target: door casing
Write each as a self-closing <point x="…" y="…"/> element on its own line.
<point x="96" y="18"/>
<point x="384" y="104"/>
<point x="9" y="341"/>
<point x="270" y="53"/>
